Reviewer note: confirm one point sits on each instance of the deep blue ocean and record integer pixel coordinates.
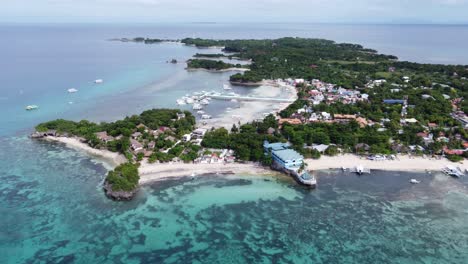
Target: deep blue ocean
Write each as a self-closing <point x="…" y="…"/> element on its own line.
<point x="53" y="210"/>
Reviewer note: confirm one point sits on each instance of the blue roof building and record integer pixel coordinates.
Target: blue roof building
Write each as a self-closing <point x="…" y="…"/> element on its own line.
<point x="393" y="101"/>
<point x="284" y="156"/>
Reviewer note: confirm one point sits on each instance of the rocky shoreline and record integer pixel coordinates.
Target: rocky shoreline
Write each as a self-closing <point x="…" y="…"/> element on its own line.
<point x="118" y="195"/>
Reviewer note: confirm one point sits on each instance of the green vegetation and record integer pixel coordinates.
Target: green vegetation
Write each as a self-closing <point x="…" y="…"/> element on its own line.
<point x="124" y="177"/>
<point x="210" y="55"/>
<point x="210" y="64"/>
<point x="151" y="119"/>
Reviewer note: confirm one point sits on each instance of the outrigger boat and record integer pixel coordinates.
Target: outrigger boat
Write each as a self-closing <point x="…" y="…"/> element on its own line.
<point x="453" y="171"/>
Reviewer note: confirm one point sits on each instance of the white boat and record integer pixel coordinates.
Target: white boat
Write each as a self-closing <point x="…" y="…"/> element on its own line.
<point x="98" y="81"/>
<point x="205" y="117"/>
<point x="226" y="87"/>
<point x="189" y="100"/>
<point x="180" y="102"/>
<point x="72" y="90"/>
<point x="204" y="102"/>
<point x="197" y="106"/>
<point x="359" y="169"/>
<point x="453" y="171"/>
<point x="234" y="100"/>
<point x="31" y="107"/>
<point x="201" y="112"/>
<point x="414" y="181"/>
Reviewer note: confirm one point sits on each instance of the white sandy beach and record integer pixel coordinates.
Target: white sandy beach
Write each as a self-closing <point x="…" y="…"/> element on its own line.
<point x="402" y="163"/>
<point x="249" y="111"/>
<point x="114" y="159"/>
<point x="160" y="171"/>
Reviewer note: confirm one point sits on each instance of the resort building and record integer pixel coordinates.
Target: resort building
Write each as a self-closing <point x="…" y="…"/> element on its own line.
<point x="289" y="161"/>
<point x="284" y="156"/>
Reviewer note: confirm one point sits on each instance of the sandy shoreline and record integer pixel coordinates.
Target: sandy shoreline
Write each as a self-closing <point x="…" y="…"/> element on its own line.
<point x="249" y="111"/>
<point x="402" y="163"/>
<point x="112" y="158"/>
<point x="160" y="171"/>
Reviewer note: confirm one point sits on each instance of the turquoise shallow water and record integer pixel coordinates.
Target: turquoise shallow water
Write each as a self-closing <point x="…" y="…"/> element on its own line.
<point x="53" y="209"/>
<point x="54" y="212"/>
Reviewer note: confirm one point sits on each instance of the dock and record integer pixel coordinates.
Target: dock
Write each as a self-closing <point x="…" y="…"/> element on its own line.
<point x="251" y="98"/>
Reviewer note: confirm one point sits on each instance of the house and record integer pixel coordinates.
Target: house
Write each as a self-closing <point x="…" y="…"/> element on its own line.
<point x="292" y="121"/>
<point x="104" y="137"/>
<point x="170" y="138"/>
<point x="320" y="148"/>
<point x="180" y="116"/>
<point x="164" y="128"/>
<point x="362" y="147"/>
<point x="199" y="133"/>
<point x="151" y="145"/>
<point x="136" y="135"/>
<point x="141" y="126"/>
<point x="135" y="145"/>
<point x="432" y="125"/>
<point x="186" y="137"/>
<point x="394" y="101"/>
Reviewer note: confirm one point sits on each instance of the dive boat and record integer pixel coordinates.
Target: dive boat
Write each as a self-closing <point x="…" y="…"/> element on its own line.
<point x="31" y="107"/>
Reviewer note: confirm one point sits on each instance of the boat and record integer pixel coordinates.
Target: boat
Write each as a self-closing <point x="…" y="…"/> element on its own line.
<point x="226" y="87"/>
<point x="189" y="100"/>
<point x="72" y="90"/>
<point x="453" y="171"/>
<point x="414" y="181"/>
<point x="359" y="169"/>
<point x="197" y="106"/>
<point x="31" y="107"/>
<point x="98" y="81"/>
<point x="204" y="102"/>
<point x="234" y="100"/>
<point x="181" y="102"/>
<point x="205" y="117"/>
<point x="201" y="112"/>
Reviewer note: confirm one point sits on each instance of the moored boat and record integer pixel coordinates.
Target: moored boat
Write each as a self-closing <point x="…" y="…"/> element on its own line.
<point x="453" y="171"/>
<point x="31" y="107"/>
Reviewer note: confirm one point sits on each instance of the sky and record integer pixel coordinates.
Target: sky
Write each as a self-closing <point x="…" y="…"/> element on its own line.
<point x="268" y="11"/>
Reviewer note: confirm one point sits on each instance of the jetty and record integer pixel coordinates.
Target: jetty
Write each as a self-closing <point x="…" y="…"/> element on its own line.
<point x="252" y="98"/>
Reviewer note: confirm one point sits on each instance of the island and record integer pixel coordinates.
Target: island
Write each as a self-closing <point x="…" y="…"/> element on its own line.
<point x="353" y="106"/>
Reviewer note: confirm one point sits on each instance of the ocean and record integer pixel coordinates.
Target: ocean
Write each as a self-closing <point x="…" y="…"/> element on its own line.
<point x="53" y="209"/>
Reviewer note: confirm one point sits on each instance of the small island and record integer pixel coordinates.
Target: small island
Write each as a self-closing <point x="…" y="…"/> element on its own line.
<point x="213" y="65"/>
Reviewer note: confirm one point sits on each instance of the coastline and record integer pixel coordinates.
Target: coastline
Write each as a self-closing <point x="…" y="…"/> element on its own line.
<point x="161" y="171"/>
<point x="218" y="71"/>
<point x="111" y="158"/>
<point x="401" y="163"/>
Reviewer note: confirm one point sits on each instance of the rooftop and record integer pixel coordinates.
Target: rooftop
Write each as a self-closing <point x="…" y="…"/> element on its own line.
<point x="287" y="154"/>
